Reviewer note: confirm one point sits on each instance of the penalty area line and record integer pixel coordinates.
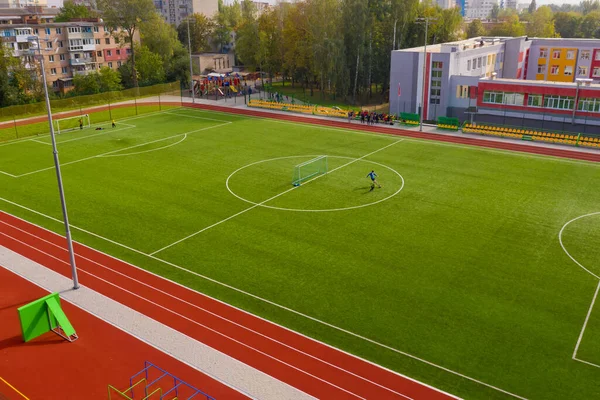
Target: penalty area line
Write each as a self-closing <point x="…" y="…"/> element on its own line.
<point x="270" y="198"/>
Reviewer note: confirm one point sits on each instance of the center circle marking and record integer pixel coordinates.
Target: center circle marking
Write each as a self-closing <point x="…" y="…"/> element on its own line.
<point x="317" y="210"/>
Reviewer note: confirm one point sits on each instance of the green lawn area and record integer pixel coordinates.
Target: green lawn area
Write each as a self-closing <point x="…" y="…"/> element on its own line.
<point x="456" y="260"/>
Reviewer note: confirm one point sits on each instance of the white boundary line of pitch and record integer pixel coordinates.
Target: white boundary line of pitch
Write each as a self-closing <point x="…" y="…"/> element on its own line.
<point x="274" y="304"/>
<point x="350" y="333"/>
<point x="272" y="198"/>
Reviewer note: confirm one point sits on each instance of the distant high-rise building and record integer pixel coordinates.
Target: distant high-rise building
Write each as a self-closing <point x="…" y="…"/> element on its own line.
<point x="479" y="9"/>
<point x="22" y="3"/>
<point x="175" y="11"/>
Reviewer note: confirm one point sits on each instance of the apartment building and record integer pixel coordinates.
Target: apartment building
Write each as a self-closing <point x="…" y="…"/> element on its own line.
<point x="542" y="80"/>
<point x="175" y="11"/>
<point x="479" y="9"/>
<point x="22" y="3"/>
<point x="69" y="49"/>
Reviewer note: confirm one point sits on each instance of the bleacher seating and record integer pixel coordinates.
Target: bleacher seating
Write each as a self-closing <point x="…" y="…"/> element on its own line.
<point x="301" y="108"/>
<point x="529" y="134"/>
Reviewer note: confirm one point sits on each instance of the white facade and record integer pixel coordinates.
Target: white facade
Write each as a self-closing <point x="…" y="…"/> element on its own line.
<point x="479" y="9"/>
<point x="22" y="3"/>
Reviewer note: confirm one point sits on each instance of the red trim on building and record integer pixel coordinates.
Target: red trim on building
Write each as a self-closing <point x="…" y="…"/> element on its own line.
<point x="427" y="78"/>
<point x="594" y="64"/>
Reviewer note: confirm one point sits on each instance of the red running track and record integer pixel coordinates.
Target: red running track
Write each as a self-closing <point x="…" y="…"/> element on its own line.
<point x="313" y="367"/>
<point x="473" y="141"/>
<point x="49" y="367"/>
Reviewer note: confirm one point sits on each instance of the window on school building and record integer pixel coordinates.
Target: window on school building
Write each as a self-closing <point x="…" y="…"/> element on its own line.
<point x="554" y="70"/>
<point x="559" y="102"/>
<point x="514" y="99"/>
<point x="570" y="54"/>
<point x="597" y="57"/>
<point x="462" y="91"/>
<point x="556" y="54"/>
<point x="585" y="55"/>
<point x="436" y="83"/>
<point x="437" y="64"/>
<point x="589" y="104"/>
<point x="436" y="74"/>
<point x="541" y="69"/>
<point x="582" y="71"/>
<point x="434" y="101"/>
<point x="493" y="97"/>
<point x="435" y="92"/>
<point x="543" y="52"/>
<point x="479" y="62"/>
<point x="468" y="65"/>
<point x="534" y="100"/>
<point x="569" y="70"/>
<point x="596" y="72"/>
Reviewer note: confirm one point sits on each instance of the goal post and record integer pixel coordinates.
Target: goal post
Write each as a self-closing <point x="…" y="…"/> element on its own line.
<point x="308" y="169"/>
<point x="71" y="123"/>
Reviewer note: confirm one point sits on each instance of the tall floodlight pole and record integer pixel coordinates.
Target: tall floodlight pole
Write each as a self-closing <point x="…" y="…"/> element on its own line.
<point x="190" y="50"/>
<point x="426" y="22"/>
<point x="36" y="40"/>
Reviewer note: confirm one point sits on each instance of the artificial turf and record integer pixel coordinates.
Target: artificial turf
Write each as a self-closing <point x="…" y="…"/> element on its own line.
<point x="462" y="267"/>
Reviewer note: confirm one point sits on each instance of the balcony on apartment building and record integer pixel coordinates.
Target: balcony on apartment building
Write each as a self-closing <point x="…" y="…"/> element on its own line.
<point x="81" y="59"/>
<point x="80" y="32"/>
<point x="83" y="71"/>
<point x="22" y="34"/>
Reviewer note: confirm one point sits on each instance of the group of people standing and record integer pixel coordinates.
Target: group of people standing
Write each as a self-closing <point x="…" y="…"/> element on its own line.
<point x="371" y="118"/>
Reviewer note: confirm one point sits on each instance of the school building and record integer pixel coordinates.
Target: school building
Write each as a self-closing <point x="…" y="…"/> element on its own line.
<point x="552" y="84"/>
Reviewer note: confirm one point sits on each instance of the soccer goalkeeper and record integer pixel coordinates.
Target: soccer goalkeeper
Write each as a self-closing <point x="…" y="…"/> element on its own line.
<point x="374" y="182"/>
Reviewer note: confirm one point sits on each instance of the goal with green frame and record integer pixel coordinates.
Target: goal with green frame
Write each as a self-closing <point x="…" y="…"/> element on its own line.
<point x="71" y="123"/>
<point x="309" y="169"/>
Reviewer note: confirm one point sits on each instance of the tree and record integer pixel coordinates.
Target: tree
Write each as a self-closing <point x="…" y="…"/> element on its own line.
<point x="532" y="7"/>
<point x="495" y="12"/>
<point x="246" y="41"/>
<point x="86" y="84"/>
<point x="109" y="80"/>
<point x="590" y="25"/>
<point x="567" y="24"/>
<point x="201" y="30"/>
<point x="512" y="27"/>
<point x="149" y="68"/>
<point x="70" y="10"/>
<point x="127" y="15"/>
<point x="475" y="29"/>
<point x="541" y="23"/>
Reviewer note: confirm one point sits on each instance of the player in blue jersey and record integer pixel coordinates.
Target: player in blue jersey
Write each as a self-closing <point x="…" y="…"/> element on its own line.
<point x="374" y="182"/>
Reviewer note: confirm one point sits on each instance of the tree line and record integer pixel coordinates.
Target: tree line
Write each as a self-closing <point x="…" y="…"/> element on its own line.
<point x="566" y="21"/>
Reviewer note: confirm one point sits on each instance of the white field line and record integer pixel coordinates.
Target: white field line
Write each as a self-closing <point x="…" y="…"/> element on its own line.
<point x="7" y="174"/>
<point x="119" y="121"/>
<point x="269" y="199"/>
<point x="560" y="234"/>
<point x="103" y="132"/>
<point x="195" y="116"/>
<point x="192" y="321"/>
<point x="147" y="151"/>
<point x="41" y="142"/>
<point x="586" y="362"/>
<point x="587" y="318"/>
<point x="274" y="304"/>
<point x="207" y="311"/>
<point x="416" y="140"/>
<point x="125" y="148"/>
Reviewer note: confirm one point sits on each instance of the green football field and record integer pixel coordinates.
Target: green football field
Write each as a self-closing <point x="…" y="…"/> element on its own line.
<point x="452" y="273"/>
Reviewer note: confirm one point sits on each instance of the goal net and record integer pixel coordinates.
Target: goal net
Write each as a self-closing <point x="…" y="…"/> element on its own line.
<point x="309" y="169"/>
<point x="68" y="124"/>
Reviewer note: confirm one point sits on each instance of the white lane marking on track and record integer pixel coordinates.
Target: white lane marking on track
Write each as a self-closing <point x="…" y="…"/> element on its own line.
<point x="189" y="319"/>
<point x="317" y="210"/>
<point x="203" y="309"/>
<point x="269" y="199"/>
<point x="274" y="304"/>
